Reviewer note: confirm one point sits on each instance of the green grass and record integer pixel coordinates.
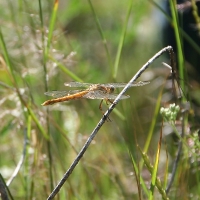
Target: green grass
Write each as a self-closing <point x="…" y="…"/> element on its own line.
<point x="44" y="44"/>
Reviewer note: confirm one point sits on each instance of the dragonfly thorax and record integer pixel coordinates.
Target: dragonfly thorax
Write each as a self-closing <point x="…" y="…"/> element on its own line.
<point x="108" y="90"/>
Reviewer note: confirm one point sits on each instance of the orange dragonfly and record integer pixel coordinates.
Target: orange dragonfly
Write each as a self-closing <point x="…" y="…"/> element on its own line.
<point x="92" y="91"/>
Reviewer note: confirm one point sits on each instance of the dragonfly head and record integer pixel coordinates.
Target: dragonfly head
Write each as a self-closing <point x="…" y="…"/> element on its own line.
<point x="111" y="89"/>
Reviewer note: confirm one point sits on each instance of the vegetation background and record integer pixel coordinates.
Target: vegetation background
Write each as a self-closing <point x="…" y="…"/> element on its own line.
<point x="95" y="42"/>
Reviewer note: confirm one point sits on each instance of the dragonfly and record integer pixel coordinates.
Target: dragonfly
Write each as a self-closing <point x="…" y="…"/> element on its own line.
<point x="91" y="91"/>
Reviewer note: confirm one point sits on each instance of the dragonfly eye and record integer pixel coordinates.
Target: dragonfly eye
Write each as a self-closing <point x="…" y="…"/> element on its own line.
<point x="111" y="89"/>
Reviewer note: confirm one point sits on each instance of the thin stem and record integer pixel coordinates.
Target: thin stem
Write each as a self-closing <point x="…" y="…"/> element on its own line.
<point x="176" y="161"/>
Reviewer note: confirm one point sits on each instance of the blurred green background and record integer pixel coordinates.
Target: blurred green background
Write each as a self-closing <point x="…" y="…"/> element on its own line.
<point x="77" y="52"/>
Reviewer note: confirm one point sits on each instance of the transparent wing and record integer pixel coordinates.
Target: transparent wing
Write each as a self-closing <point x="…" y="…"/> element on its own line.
<point x="98" y="94"/>
<point x="115" y="85"/>
<point x="77" y="84"/>
<point x="118" y="85"/>
<point x="57" y="94"/>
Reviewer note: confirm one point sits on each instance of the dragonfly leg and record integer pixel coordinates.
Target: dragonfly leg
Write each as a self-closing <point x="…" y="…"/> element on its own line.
<point x="108" y="100"/>
<point x="100" y="108"/>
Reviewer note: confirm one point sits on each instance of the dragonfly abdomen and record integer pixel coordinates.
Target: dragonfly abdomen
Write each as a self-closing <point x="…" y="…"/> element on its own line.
<point x="65" y="98"/>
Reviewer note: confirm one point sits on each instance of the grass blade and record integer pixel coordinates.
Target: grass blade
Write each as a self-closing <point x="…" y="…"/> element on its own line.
<point x="179" y="46"/>
<point x="119" y="50"/>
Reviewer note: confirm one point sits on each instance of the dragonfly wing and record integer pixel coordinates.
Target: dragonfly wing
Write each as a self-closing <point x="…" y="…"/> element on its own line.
<point x="114" y="96"/>
<point x="98" y="94"/>
<point x="77" y="84"/>
<point x="118" y="85"/>
<point x="57" y="94"/>
<point x="140" y="83"/>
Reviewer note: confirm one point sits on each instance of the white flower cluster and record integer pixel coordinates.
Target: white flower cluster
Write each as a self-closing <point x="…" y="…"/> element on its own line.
<point x="170" y="113"/>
